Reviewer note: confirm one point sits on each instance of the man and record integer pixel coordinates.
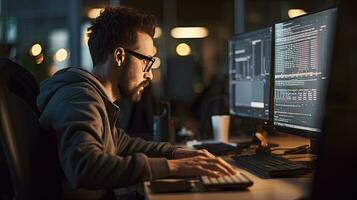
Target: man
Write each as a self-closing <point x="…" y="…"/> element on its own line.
<point x="79" y="107"/>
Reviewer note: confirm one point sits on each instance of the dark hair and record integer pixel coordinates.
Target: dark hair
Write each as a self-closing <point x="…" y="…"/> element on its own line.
<point x="114" y="27"/>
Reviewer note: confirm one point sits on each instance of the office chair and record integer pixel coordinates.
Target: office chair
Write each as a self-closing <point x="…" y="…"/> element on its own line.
<point x="30" y="153"/>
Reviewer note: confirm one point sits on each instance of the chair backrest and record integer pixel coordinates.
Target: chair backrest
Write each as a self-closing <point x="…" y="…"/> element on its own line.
<point x="30" y="152"/>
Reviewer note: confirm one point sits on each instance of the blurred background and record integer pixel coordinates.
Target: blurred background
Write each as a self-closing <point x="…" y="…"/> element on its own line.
<point x="190" y="73"/>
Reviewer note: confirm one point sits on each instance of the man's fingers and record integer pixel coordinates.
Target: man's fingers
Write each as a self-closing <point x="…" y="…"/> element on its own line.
<point x="207" y="172"/>
<point x="227" y="166"/>
<point x="216" y="167"/>
<point x="223" y="163"/>
<point x="215" y="164"/>
<point x="207" y="154"/>
<point x="199" y="158"/>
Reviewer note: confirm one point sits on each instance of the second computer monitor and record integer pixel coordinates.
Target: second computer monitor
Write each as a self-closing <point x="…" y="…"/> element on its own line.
<point x="302" y="57"/>
<point x="249" y="74"/>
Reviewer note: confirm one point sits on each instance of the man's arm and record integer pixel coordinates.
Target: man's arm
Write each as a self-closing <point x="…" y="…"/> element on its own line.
<point x="76" y="116"/>
<point x="183" y="161"/>
<point x="129" y="145"/>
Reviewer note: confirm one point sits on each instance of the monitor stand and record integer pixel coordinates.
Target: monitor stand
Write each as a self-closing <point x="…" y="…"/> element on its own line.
<point x="258" y="138"/>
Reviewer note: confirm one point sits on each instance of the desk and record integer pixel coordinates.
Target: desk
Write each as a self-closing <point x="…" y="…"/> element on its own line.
<point x="263" y="189"/>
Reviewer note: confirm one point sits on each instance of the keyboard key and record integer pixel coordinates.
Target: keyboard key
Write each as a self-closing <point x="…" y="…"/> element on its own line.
<point x="236" y="179"/>
<point x="205" y="180"/>
<point x="214" y="180"/>
<point x="228" y="179"/>
<point x="221" y="180"/>
<point x="243" y="178"/>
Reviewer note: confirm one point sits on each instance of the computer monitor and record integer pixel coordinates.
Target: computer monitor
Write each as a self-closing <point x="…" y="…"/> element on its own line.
<point x="303" y="49"/>
<point x="249" y="74"/>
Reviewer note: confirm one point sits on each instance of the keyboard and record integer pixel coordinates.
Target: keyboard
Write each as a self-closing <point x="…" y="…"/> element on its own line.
<point x="219" y="148"/>
<point x="271" y="166"/>
<point x="234" y="182"/>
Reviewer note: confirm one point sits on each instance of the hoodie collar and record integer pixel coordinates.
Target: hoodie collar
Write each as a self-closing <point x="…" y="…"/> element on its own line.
<point x="68" y="76"/>
<point x="91" y="79"/>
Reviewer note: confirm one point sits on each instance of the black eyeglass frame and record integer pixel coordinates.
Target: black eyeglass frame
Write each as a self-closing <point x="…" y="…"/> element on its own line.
<point x="141" y="57"/>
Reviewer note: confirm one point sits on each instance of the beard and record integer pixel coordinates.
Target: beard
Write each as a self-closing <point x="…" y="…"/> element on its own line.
<point x="132" y="93"/>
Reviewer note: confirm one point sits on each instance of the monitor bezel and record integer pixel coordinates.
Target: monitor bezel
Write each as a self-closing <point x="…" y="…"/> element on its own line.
<point x="269" y="119"/>
<point x="289" y="130"/>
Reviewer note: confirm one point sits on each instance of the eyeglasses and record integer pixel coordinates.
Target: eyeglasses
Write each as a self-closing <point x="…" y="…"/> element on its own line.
<point x="148" y="60"/>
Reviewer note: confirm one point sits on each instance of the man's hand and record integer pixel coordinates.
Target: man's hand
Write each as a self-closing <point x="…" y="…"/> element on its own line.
<point x="200" y="166"/>
<point x="187" y="153"/>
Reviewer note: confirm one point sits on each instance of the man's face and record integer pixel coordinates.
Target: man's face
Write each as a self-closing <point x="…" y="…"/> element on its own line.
<point x="133" y="80"/>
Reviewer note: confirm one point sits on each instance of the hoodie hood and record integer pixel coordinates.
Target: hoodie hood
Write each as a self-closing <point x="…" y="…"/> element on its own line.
<point x="63" y="78"/>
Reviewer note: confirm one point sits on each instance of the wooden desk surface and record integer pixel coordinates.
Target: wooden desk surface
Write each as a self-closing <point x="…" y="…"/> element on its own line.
<point x="263" y="189"/>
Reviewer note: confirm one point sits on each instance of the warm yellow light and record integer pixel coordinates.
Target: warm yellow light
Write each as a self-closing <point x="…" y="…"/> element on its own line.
<point x="61" y="55"/>
<point x="158" y="32"/>
<point x="183" y="49"/>
<point x="189" y="32"/>
<point x="295" y="13"/>
<point x="157" y="63"/>
<point x="35" y="50"/>
<point x="39" y="59"/>
<point x="94" y="12"/>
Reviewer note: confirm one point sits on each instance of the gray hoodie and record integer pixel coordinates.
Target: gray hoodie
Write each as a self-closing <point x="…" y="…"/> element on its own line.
<point x="93" y="152"/>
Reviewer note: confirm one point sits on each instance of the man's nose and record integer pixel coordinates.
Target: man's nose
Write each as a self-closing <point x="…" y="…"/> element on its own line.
<point x="148" y="75"/>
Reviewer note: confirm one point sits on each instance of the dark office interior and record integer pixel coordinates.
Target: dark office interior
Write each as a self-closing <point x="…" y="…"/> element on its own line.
<point x="282" y="71"/>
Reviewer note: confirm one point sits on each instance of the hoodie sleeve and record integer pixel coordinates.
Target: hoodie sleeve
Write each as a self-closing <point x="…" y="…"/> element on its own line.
<point x="131" y="145"/>
<point x="76" y="115"/>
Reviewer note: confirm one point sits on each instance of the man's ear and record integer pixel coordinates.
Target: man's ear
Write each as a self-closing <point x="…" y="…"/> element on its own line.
<point x="119" y="56"/>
